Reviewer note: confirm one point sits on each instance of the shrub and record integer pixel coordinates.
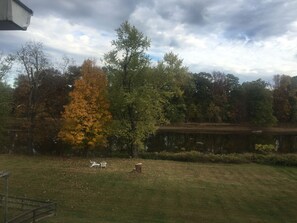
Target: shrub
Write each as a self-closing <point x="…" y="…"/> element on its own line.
<point x="265" y="148"/>
<point x="275" y="159"/>
<point x="194" y="156"/>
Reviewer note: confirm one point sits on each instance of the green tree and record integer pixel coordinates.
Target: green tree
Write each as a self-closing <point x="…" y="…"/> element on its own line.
<point x="220" y="93"/>
<point x="173" y="79"/>
<point x="200" y="97"/>
<point x="5" y="64"/>
<point x="259" y="103"/>
<point x="293" y="99"/>
<point x="284" y="98"/>
<point x="238" y="106"/>
<point x="5" y="110"/>
<point x="212" y="97"/>
<point x="5" y="97"/>
<point x="233" y="97"/>
<point x="87" y="115"/>
<point x="214" y="113"/>
<point x="136" y="103"/>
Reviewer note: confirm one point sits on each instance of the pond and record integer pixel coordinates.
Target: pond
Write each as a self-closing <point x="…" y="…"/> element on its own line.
<point x="218" y="142"/>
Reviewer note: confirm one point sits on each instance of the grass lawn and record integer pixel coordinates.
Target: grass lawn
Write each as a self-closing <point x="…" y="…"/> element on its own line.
<point x="166" y="191"/>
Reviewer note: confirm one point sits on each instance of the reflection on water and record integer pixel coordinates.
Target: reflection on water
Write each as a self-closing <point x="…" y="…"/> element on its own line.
<point x="218" y="143"/>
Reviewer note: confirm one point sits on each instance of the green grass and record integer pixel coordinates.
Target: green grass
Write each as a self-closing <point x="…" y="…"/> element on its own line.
<point x="166" y="191"/>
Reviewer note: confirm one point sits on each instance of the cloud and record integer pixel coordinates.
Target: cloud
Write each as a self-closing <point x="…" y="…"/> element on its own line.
<point x="244" y="37"/>
<point x="71" y="39"/>
<point x="256" y="19"/>
<point x="239" y="19"/>
<point x="60" y="38"/>
<point x="99" y="14"/>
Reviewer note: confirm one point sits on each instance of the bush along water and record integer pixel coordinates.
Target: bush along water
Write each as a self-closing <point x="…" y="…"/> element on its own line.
<point x="194" y="156"/>
<point x="265" y="148"/>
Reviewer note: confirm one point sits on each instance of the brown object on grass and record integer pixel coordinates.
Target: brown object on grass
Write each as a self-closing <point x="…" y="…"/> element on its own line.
<point x="138" y="167"/>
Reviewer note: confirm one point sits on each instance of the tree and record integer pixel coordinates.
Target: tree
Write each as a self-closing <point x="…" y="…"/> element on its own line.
<point x="238" y="105"/>
<point x="32" y="57"/>
<point x="220" y="93"/>
<point x="293" y="99"/>
<point x="258" y="103"/>
<point x="5" y="110"/>
<point x="51" y="96"/>
<point x="5" y="65"/>
<point x="5" y="95"/>
<point x="213" y="96"/>
<point x="87" y="115"/>
<point x="235" y="108"/>
<point x="200" y="98"/>
<point x="284" y="98"/>
<point x="136" y="103"/>
<point x="173" y="80"/>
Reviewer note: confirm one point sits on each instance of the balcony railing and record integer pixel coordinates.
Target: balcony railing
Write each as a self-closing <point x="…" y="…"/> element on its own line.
<point x="32" y="210"/>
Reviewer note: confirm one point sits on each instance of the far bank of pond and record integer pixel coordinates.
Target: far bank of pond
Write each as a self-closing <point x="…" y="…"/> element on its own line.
<point x="221" y="138"/>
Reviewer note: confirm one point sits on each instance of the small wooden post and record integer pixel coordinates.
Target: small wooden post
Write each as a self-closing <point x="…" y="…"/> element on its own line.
<point x="138" y="168"/>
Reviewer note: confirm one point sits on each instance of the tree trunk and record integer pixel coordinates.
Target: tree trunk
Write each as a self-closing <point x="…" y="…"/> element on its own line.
<point x="133" y="150"/>
<point x="85" y="152"/>
<point x="31" y="113"/>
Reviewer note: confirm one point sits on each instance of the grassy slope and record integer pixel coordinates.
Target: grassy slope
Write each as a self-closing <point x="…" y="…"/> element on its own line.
<point x="165" y="191"/>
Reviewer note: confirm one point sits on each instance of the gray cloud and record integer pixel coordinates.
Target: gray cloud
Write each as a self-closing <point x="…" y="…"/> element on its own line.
<point x="235" y="19"/>
<point x="99" y="14"/>
<point x="195" y="12"/>
<point x="9" y="41"/>
<point x="184" y="11"/>
<point x="259" y="19"/>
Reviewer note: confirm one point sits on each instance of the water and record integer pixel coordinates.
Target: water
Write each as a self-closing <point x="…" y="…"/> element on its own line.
<point x="219" y="143"/>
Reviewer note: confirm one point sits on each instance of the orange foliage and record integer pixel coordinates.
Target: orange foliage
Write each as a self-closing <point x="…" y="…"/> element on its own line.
<point x="87" y="115"/>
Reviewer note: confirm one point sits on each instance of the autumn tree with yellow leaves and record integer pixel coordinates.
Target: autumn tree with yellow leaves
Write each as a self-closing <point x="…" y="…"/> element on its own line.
<point x="86" y="117"/>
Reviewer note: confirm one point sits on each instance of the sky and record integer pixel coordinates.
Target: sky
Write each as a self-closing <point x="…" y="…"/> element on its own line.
<point x="249" y="38"/>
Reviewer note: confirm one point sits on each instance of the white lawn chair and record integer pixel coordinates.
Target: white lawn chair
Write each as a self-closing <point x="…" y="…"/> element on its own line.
<point x="94" y="164"/>
<point x="103" y="164"/>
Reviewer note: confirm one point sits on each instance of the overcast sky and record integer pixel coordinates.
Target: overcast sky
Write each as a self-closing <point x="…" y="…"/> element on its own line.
<point x="248" y="38"/>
